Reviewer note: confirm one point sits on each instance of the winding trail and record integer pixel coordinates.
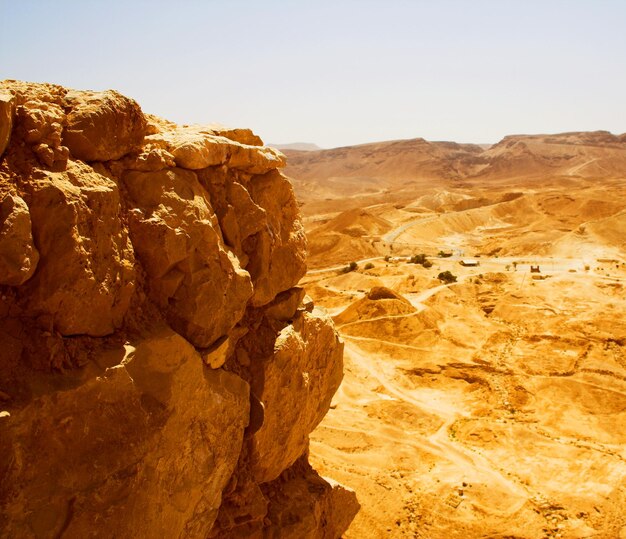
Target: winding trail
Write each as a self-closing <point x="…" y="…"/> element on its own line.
<point x="439" y="443"/>
<point x="392" y="235"/>
<point x="388" y="420"/>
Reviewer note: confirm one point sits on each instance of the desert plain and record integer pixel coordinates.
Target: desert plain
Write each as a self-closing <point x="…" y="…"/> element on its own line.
<point x="493" y="406"/>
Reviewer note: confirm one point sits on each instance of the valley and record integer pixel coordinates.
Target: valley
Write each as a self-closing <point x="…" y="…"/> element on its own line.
<point x="491" y="406"/>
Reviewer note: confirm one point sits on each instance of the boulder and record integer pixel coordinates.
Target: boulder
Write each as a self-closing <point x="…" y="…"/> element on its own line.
<point x="307" y="304"/>
<point x="18" y="255"/>
<point x="194" y="148"/>
<point x="192" y="276"/>
<point x="150" y="158"/>
<point x="160" y="371"/>
<point x="39" y="123"/>
<point x="238" y="134"/>
<point x="243" y="136"/>
<point x="277" y="253"/>
<point x="85" y="277"/>
<point x="295" y="385"/>
<point x="255" y="160"/>
<point x="285" y="304"/>
<point x="7" y="106"/>
<point x="101" y="126"/>
<point x="148" y="444"/>
<point x="197" y="147"/>
<point x="238" y="215"/>
<point x="304" y="505"/>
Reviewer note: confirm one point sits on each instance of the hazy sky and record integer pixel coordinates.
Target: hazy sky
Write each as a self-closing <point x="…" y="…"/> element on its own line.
<point x="337" y="72"/>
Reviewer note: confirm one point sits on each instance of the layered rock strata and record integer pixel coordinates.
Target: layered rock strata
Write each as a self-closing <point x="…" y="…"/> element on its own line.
<point x="160" y="371"/>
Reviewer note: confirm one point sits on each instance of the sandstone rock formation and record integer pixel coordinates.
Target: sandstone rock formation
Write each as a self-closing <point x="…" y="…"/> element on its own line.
<point x="159" y="371"/>
<point x="18" y="255"/>
<point x="6" y="119"/>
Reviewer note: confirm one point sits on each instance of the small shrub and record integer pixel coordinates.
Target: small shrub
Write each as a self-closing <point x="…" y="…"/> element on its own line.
<point x="420" y="259"/>
<point x="446" y="277"/>
<point x="387" y="258"/>
<point x="350" y="267"/>
<point x="369" y="265"/>
<point x="443" y="254"/>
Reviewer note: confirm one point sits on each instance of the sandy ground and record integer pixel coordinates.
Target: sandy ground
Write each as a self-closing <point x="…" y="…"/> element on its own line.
<point x="491" y="407"/>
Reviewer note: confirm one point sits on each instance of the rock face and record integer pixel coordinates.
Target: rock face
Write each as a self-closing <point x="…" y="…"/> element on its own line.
<point x="159" y="371"/>
<point x="102" y="126"/>
<point x="196" y="281"/>
<point x="302" y="503"/>
<point x="18" y="255"/>
<point x="295" y="384"/>
<point x="6" y="119"/>
<point x="86" y="272"/>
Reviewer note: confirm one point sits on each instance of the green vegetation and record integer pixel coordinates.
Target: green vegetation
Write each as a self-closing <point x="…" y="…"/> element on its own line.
<point x="446" y="277"/>
<point x="420" y="259"/>
<point x="443" y="254"/>
<point x="369" y="265"/>
<point x="350" y="267"/>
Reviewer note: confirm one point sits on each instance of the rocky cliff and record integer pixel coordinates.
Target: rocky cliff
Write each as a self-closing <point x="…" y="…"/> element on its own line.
<point x="160" y="371"/>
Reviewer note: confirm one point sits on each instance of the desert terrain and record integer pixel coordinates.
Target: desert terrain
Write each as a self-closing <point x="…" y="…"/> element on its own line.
<point x="492" y="406"/>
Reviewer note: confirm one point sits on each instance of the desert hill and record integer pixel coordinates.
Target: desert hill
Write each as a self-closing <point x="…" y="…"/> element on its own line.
<point x="371" y="170"/>
<point x="535" y="194"/>
<point x="387" y="171"/>
<point x="380" y="301"/>
<point x="592" y="155"/>
<point x="391" y="160"/>
<point x="346" y="236"/>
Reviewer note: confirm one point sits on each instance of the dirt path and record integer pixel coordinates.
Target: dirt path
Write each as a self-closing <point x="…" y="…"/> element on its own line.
<point x="392" y="235"/>
<point x="439" y="443"/>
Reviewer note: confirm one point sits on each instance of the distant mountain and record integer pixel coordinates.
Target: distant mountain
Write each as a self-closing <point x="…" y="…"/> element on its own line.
<point x="555" y="194"/>
<point x="592" y="155"/>
<point x="375" y="169"/>
<point x="299" y="146"/>
<point x="383" y="169"/>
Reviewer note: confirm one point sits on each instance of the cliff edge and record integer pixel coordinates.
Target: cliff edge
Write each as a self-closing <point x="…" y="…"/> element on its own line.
<point x="160" y="371"/>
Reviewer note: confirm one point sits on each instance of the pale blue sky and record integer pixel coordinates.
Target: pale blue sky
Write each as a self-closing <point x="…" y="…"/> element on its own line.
<point x="337" y="72"/>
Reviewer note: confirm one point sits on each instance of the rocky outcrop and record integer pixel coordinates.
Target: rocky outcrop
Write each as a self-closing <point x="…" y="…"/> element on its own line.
<point x="18" y="255"/>
<point x="86" y="271"/>
<point x="306" y="506"/>
<point x="6" y="119"/>
<point x="160" y="371"/>
<point x="295" y="385"/>
<point x="151" y="439"/>
<point x="192" y="276"/>
<point x="102" y="126"/>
